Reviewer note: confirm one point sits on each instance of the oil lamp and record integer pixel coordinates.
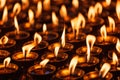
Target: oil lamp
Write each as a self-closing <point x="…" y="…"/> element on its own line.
<point x="57" y="58"/>
<point x="64" y="47"/>
<point x="48" y="35"/>
<point x="42" y="70"/>
<point x="7" y="70"/>
<point x="102" y="74"/>
<point x="90" y="40"/>
<point x="71" y="72"/>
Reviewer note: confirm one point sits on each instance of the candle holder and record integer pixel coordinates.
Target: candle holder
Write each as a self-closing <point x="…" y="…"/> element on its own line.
<point x="95" y="51"/>
<point x="88" y="66"/>
<point x="64" y="74"/>
<point x="61" y="58"/>
<point x="37" y="72"/>
<point x="49" y="36"/>
<point x="68" y="47"/>
<point x="8" y="72"/>
<point x="94" y="75"/>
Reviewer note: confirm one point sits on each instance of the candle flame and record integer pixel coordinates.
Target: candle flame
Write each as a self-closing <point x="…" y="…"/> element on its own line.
<point x="57" y="47"/>
<point x="118" y="9"/>
<point x="16" y="24"/>
<point x="55" y="20"/>
<point x="39" y="9"/>
<point x="5" y="15"/>
<point x="91" y="14"/>
<point x="44" y="62"/>
<point x="115" y="59"/>
<point x="63" y="38"/>
<point x="108" y="2"/>
<point x="81" y="20"/>
<point x="27" y="48"/>
<point x="111" y="23"/>
<point x="98" y="8"/>
<point x="103" y="32"/>
<point x="6" y="61"/>
<point x="63" y="11"/>
<point x="118" y="46"/>
<point x="4" y="40"/>
<point x="90" y="40"/>
<point x="75" y="3"/>
<point x="104" y="70"/>
<point x="46" y="4"/>
<point x="73" y="64"/>
<point x="37" y="38"/>
<point x="31" y="16"/>
<point x="44" y="28"/>
<point x="2" y="3"/>
<point x="16" y="9"/>
<point x="25" y="4"/>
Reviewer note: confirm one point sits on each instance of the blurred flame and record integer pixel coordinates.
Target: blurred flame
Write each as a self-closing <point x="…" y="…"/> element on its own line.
<point x="115" y="59"/>
<point x="39" y="9"/>
<point x="5" y="15"/>
<point x="56" y="50"/>
<point x="16" y="9"/>
<point x="37" y="38"/>
<point x="98" y="8"/>
<point x="103" y="32"/>
<point x="54" y="19"/>
<point x="46" y="4"/>
<point x="104" y="70"/>
<point x="6" y="61"/>
<point x="63" y="38"/>
<point x="108" y="2"/>
<point x="2" y="3"/>
<point x="31" y="16"/>
<point x="44" y="28"/>
<point x="73" y="64"/>
<point x="75" y="3"/>
<point x="63" y="11"/>
<point x="16" y="25"/>
<point x="25" y="4"/>
<point x="90" y="40"/>
<point x="118" y="9"/>
<point x="27" y="48"/>
<point x="4" y="40"/>
<point x="81" y="20"/>
<point x="118" y="46"/>
<point x="44" y="62"/>
<point x="91" y="14"/>
<point x="111" y="23"/>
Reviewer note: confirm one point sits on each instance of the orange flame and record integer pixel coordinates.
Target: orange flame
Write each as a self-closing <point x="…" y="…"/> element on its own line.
<point x="6" y="61"/>
<point x="104" y="70"/>
<point x="108" y="2"/>
<point x="103" y="32"/>
<point x="46" y="4"/>
<point x="56" y="50"/>
<point x="44" y="28"/>
<point x="25" y="4"/>
<point x="63" y="11"/>
<point x="98" y="8"/>
<point x="118" y="46"/>
<point x="55" y="19"/>
<point x="73" y="64"/>
<point x="111" y="23"/>
<point x="118" y="9"/>
<point x="37" y="38"/>
<point x="91" y="14"/>
<point x="44" y="62"/>
<point x="63" y="38"/>
<point x="5" y="15"/>
<point x="2" y="3"/>
<point x="90" y="40"/>
<point x="31" y="16"/>
<point x="16" y="25"/>
<point x="39" y="9"/>
<point x="27" y="48"/>
<point x="4" y="40"/>
<point x="16" y="9"/>
<point x="115" y="59"/>
<point x="81" y="20"/>
<point x="75" y="3"/>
